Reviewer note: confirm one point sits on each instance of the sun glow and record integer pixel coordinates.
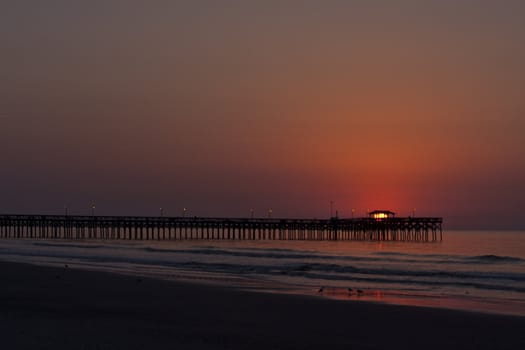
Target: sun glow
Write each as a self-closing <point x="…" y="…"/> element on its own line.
<point x="380" y="216"/>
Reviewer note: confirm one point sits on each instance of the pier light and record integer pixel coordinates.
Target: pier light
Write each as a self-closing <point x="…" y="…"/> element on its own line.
<point x="381" y="214"/>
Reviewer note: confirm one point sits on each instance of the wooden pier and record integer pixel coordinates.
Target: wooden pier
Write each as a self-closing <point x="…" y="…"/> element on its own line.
<point x="420" y="229"/>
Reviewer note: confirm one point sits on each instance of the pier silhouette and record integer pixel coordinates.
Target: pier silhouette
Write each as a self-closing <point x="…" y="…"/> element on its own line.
<point x="420" y="229"/>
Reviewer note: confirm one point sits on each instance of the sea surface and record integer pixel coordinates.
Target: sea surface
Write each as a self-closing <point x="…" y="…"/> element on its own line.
<point x="469" y="270"/>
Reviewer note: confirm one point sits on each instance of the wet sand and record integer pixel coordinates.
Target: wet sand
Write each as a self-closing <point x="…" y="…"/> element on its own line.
<point x="66" y="308"/>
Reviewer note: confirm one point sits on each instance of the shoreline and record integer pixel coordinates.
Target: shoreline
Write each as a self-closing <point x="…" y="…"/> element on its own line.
<point x="377" y="296"/>
<point x="158" y="261"/>
<point x="64" y="308"/>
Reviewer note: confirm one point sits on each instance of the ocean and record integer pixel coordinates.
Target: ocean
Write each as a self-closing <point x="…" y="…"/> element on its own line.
<point x="468" y="270"/>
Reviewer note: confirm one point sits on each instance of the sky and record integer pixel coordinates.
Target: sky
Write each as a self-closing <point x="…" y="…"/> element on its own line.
<point x="222" y="107"/>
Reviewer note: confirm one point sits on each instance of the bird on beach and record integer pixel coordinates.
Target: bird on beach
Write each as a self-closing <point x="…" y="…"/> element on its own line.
<point x="321" y="289"/>
<point x="360" y="292"/>
<point x="66" y="265"/>
<point x="350" y="290"/>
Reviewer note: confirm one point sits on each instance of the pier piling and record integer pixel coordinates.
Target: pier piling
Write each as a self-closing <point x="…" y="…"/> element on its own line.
<point x="421" y="229"/>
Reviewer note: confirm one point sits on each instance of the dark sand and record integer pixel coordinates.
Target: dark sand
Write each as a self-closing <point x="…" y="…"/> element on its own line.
<point x="59" y="308"/>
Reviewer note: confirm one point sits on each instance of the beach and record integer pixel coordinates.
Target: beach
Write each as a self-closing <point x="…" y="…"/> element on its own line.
<point x="68" y="308"/>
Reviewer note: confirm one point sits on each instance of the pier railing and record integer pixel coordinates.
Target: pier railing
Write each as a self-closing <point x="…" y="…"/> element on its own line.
<point x="420" y="229"/>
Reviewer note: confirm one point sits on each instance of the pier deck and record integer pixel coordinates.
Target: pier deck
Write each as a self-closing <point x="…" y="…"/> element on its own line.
<point x="415" y="229"/>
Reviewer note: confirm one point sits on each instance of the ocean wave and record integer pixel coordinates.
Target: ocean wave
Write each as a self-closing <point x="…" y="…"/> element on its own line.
<point x="495" y="258"/>
<point x="383" y="263"/>
<point x="329" y="270"/>
<point x="254" y="253"/>
<point x="380" y="257"/>
<point x="459" y="259"/>
<point x="284" y="254"/>
<point x="504" y="281"/>
<point x="435" y="274"/>
<point x="432" y="283"/>
<point x="70" y="245"/>
<point x="414" y="255"/>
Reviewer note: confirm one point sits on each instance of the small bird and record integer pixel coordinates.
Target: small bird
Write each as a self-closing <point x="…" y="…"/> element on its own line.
<point x="350" y="290"/>
<point x="66" y="266"/>
<point x="320" y="289"/>
<point x="360" y="292"/>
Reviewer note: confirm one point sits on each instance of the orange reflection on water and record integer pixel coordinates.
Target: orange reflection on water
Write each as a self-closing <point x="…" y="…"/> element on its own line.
<point x="378" y="295"/>
<point x="422" y="300"/>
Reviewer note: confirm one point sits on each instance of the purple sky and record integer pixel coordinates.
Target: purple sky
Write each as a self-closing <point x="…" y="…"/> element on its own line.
<point x="226" y="106"/>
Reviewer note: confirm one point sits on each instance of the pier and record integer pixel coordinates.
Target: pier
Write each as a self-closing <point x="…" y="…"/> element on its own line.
<point x="72" y="227"/>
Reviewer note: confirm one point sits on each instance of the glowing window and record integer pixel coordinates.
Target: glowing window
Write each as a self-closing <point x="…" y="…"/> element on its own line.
<point x="380" y="216"/>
